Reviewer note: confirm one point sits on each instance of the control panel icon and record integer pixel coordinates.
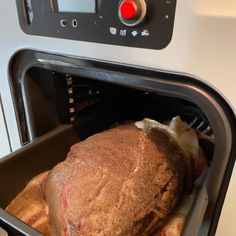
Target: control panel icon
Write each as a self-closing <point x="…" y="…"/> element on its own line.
<point x="134" y="33"/>
<point x="113" y="30"/>
<point x="123" y="33"/>
<point x="145" y="33"/>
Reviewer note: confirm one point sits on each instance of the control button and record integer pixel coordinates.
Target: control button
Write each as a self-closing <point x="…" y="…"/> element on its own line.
<point x="63" y="23"/>
<point x="132" y="12"/>
<point x="113" y="30"/>
<point x="74" y="23"/>
<point x="145" y="33"/>
<point x="123" y="33"/>
<point x="129" y="10"/>
<point x="134" y="33"/>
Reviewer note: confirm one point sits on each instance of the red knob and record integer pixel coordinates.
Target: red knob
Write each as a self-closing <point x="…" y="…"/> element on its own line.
<point x="129" y="9"/>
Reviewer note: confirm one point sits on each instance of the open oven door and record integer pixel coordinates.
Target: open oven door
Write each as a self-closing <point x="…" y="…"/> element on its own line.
<point x="39" y="83"/>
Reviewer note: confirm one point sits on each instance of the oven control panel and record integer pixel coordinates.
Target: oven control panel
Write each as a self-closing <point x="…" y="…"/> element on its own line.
<point x="132" y="23"/>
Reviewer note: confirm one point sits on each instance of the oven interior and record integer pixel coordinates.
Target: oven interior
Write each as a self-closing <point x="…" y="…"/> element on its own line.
<point x="57" y="107"/>
<point x="56" y="98"/>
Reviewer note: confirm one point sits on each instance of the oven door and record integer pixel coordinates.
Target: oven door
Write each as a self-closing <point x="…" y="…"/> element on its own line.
<point x="121" y="93"/>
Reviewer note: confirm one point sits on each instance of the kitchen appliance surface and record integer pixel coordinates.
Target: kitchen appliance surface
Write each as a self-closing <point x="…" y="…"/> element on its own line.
<point x="150" y="58"/>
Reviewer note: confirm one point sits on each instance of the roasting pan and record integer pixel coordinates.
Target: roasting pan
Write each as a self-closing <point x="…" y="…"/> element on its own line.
<point x="18" y="168"/>
<point x="42" y="149"/>
<point x="42" y="154"/>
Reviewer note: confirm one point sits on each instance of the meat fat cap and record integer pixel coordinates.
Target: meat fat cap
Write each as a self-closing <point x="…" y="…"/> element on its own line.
<point x="180" y="131"/>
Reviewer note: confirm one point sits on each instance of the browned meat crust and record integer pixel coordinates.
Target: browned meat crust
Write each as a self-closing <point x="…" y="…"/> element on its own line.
<point x="122" y="181"/>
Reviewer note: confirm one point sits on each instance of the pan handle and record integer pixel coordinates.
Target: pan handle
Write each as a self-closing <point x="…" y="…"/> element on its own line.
<point x="11" y="226"/>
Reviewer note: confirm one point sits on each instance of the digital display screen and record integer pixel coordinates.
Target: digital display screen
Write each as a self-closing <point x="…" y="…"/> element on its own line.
<point x="77" y="6"/>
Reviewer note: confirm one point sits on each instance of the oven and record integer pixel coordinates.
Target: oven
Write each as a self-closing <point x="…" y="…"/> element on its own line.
<point x="61" y="99"/>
